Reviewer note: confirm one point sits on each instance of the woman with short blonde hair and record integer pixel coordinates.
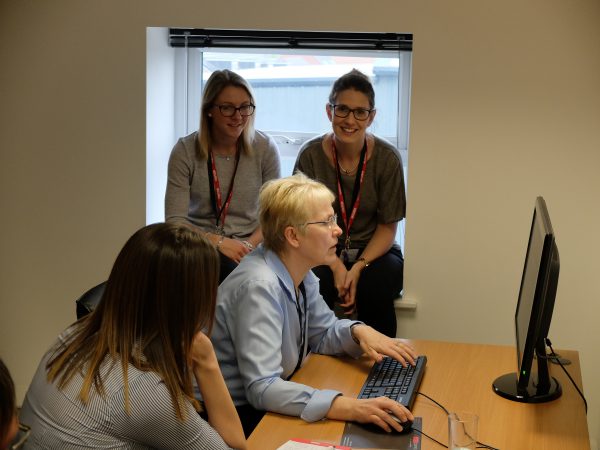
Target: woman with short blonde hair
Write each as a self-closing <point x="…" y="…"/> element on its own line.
<point x="284" y="202"/>
<point x="270" y="313"/>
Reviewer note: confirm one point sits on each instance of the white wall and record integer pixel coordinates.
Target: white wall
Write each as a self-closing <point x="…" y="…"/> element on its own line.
<point x="505" y="106"/>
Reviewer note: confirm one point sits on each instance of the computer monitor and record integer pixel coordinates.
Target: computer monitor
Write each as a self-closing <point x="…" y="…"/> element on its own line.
<point x="533" y="316"/>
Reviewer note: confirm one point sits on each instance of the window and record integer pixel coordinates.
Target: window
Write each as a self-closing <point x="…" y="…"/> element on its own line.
<point x="291" y="83"/>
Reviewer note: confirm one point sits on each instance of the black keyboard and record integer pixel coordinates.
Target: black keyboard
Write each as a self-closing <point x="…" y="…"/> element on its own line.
<point x="389" y="379"/>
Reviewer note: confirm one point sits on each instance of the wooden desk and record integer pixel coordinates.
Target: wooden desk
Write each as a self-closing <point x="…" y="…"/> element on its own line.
<point x="460" y="377"/>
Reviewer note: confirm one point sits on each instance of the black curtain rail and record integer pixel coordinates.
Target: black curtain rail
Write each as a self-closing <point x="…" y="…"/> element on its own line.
<point x="195" y="37"/>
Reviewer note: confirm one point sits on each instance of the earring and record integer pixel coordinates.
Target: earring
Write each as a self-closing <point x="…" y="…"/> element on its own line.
<point x="209" y="114"/>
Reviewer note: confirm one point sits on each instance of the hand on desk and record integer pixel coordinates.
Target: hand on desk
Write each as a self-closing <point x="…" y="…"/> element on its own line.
<point x="377" y="411"/>
<point x="377" y="345"/>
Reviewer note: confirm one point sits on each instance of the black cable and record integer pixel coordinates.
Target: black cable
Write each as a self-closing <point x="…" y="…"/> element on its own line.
<point x="549" y="344"/>
<point x="427" y="436"/>
<point x="439" y="404"/>
<point x="481" y="444"/>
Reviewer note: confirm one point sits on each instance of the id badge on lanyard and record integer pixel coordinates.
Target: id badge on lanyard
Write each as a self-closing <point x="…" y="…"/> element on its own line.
<point x="349" y="254"/>
<point x="219" y="208"/>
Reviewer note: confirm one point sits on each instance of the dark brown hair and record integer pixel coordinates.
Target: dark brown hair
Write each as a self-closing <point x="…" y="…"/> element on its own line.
<point x="160" y="293"/>
<point x="7" y="400"/>
<point x="356" y="80"/>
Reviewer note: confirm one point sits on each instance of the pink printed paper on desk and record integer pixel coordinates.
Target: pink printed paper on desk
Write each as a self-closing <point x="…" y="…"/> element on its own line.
<point x="307" y="444"/>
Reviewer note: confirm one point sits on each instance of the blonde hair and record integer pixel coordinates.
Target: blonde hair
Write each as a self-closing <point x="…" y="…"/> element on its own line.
<point x="160" y="293"/>
<point x="288" y="201"/>
<point x="219" y="80"/>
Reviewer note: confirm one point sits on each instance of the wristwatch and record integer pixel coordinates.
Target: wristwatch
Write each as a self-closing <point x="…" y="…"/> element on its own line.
<point x="365" y="261"/>
<point x="351" y="331"/>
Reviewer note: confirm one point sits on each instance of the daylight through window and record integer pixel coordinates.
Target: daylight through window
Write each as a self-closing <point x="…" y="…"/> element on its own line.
<point x="291" y="86"/>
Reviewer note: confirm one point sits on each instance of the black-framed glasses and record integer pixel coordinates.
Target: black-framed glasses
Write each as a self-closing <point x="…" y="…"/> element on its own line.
<point x="21" y="438"/>
<point x="344" y="111"/>
<point x="230" y="110"/>
<point x="331" y="222"/>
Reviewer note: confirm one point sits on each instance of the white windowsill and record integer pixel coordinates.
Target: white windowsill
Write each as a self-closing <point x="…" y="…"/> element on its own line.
<point x="405" y="304"/>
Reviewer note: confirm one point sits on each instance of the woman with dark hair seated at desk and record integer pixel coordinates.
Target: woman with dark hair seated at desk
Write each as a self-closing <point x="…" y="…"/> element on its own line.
<point x="121" y="377"/>
<point x="270" y="313"/>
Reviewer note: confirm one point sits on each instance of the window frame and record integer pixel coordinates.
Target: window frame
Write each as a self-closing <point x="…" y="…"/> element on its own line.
<point x="187" y="70"/>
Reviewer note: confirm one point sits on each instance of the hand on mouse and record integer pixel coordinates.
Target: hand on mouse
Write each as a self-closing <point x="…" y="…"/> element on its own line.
<point x="381" y="411"/>
<point x="406" y="425"/>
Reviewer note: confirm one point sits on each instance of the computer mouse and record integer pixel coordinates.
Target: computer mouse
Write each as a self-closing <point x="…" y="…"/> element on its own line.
<point x="406" y="425"/>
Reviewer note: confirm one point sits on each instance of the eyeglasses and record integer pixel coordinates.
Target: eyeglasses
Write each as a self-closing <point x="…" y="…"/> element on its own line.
<point x="230" y="110"/>
<point x="331" y="222"/>
<point x="22" y="435"/>
<point x="344" y="111"/>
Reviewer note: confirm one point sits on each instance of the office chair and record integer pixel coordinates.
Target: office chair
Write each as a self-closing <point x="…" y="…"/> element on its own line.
<point x="89" y="300"/>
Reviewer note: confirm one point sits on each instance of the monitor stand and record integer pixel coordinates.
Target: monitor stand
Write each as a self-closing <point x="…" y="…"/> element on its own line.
<point x="506" y="386"/>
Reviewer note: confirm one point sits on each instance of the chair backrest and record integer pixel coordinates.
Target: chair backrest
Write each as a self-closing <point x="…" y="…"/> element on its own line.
<point x="89" y="300"/>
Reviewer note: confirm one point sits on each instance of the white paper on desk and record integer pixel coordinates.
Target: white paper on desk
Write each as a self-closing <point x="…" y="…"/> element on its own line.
<point x="305" y="444"/>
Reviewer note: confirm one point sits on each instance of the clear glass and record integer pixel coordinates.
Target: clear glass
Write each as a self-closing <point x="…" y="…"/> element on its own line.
<point x="462" y="430"/>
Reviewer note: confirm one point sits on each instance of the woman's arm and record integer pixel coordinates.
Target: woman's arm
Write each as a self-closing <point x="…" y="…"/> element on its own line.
<point x="220" y="409"/>
<point x="375" y="410"/>
<point x="339" y="271"/>
<point x="179" y="174"/>
<point x="271" y="167"/>
<point x="379" y="245"/>
<point x="256" y="237"/>
<point x="232" y="248"/>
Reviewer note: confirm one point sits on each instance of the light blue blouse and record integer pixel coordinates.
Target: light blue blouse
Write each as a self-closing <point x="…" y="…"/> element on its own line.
<point x="257" y="336"/>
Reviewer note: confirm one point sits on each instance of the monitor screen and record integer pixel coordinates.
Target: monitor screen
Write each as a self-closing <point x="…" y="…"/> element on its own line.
<point x="532" y="382"/>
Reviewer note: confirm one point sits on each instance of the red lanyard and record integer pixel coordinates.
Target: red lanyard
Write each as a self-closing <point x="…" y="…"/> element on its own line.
<point x="355" y="193"/>
<point x="219" y="209"/>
